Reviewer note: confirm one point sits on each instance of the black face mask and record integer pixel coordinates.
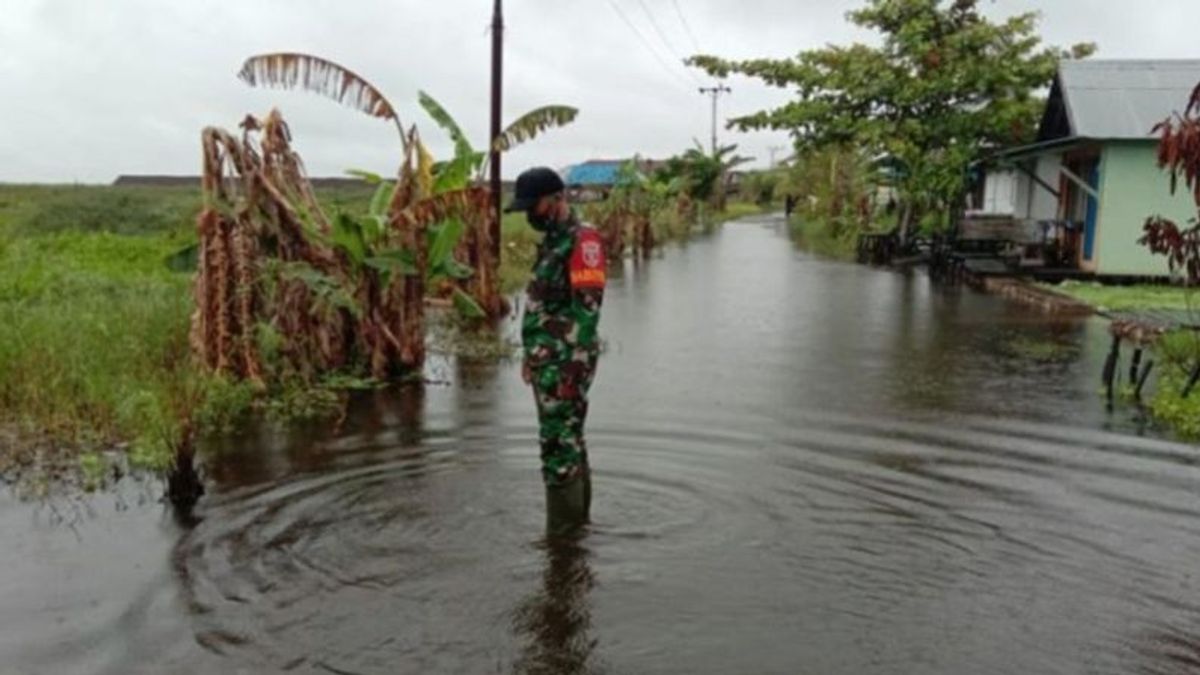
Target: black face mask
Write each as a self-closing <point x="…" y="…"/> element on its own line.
<point x="541" y="224"/>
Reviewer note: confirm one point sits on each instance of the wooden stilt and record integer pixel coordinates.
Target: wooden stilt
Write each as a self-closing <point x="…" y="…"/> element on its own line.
<point x="1110" y="362"/>
<point x="1135" y="364"/>
<point x="1110" y="368"/>
<point x="1141" y="381"/>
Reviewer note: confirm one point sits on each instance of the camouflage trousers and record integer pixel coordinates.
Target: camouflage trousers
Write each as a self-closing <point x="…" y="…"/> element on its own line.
<point x="561" y="390"/>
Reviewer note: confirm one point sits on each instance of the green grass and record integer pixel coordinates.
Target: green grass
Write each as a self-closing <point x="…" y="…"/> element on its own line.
<point x="51" y="209"/>
<point x="735" y="210"/>
<point x="817" y="237"/>
<point x="1129" y="297"/>
<point x="93" y="323"/>
<point x="1177" y="353"/>
<point x="94" y="328"/>
<point x="520" y="248"/>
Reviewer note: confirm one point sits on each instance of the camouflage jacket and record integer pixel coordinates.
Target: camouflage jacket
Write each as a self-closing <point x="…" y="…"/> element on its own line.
<point x="558" y="320"/>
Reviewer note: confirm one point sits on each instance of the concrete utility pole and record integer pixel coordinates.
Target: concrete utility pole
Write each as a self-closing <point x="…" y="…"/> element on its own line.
<point x="715" y="92"/>
<point x="497" y="81"/>
<point x="773" y="150"/>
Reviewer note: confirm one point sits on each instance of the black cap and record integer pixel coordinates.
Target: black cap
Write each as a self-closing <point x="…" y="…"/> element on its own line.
<point x="534" y="184"/>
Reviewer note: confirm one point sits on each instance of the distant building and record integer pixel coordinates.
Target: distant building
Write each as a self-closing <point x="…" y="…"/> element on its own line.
<point x="157" y="181"/>
<point x="602" y="173"/>
<point x="595" y="178"/>
<point x="595" y="173"/>
<point x="1091" y="179"/>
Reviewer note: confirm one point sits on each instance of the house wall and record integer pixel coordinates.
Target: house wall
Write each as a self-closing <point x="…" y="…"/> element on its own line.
<point x="1132" y="188"/>
<point x="1032" y="201"/>
<point x="1044" y="205"/>
<point x="999" y="193"/>
<point x="1021" y="195"/>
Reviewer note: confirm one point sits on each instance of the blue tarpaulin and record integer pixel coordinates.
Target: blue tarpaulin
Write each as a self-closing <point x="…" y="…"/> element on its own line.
<point x="593" y="173"/>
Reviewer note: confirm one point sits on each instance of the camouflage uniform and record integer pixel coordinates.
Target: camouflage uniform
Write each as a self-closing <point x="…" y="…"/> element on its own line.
<point x="561" y="351"/>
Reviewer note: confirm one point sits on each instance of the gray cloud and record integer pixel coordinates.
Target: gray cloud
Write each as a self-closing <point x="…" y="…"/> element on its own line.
<point x="93" y="89"/>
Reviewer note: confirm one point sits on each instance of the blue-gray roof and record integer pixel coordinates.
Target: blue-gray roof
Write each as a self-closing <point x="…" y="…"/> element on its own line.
<point x="1116" y="100"/>
<point x="593" y="173"/>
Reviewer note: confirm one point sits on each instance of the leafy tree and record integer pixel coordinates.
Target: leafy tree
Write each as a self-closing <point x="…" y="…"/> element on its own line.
<point x="943" y="86"/>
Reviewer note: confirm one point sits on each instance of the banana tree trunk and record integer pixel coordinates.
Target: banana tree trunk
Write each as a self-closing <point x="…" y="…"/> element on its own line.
<point x="485" y="261"/>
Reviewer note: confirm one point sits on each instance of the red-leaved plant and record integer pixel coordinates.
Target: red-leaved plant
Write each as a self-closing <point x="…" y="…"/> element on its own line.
<point x="1179" y="152"/>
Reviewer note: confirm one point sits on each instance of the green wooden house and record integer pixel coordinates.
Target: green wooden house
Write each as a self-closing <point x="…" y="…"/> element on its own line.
<point x="1091" y="179"/>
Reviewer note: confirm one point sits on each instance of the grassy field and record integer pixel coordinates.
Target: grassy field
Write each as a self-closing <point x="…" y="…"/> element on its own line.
<point x="93" y="324"/>
<point x="1129" y="297"/>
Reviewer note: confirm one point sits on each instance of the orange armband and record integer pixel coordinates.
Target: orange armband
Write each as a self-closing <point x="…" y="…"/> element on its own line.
<point x="588" y="267"/>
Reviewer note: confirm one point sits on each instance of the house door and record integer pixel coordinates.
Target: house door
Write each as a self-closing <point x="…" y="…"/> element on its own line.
<point x="1093" y="210"/>
<point x="1080" y="209"/>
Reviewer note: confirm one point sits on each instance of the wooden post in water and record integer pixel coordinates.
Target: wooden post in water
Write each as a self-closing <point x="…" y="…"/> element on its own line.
<point x="1135" y="364"/>
<point x="1141" y="381"/>
<point x="1110" y="368"/>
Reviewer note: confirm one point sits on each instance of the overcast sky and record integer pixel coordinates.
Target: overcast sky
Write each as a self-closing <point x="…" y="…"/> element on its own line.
<point x="96" y="88"/>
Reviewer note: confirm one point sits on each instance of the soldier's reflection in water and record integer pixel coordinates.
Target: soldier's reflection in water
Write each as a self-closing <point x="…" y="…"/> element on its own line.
<point x="554" y="621"/>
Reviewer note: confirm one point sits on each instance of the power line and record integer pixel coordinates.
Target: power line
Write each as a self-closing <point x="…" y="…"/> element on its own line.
<point x="667" y="42"/>
<point x="686" y="27"/>
<point x="646" y="43"/>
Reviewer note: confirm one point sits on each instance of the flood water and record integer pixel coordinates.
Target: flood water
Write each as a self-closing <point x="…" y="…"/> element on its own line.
<point x="800" y="467"/>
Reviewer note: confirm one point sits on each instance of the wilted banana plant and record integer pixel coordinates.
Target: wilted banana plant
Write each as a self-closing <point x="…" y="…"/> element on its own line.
<point x="287" y="70"/>
<point x="463" y="172"/>
<point x="282" y="291"/>
<point x="257" y="212"/>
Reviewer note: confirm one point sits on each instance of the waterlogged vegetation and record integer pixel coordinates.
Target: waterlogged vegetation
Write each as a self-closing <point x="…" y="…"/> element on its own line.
<point x="91" y="319"/>
<point x="1178" y="353"/>
<point x="94" y="327"/>
<point x="95" y="309"/>
<point x="133" y="323"/>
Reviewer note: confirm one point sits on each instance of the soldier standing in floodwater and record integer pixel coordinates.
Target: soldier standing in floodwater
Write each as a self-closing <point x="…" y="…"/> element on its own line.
<point x="561" y="345"/>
